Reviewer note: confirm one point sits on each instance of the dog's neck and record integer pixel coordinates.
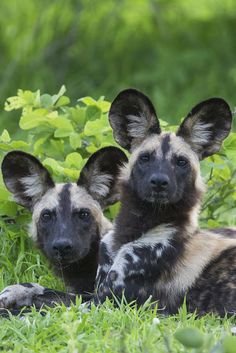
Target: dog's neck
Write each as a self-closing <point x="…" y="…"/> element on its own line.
<point x="137" y="217"/>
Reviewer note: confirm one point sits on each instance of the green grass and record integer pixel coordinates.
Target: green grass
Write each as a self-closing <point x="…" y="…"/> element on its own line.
<point x="103" y="329"/>
<point x="106" y="329"/>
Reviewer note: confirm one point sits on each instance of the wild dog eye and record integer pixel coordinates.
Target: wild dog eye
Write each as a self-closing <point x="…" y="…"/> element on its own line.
<point x="83" y="213"/>
<point x="46" y="216"/>
<point x="145" y="157"/>
<point x="181" y="161"/>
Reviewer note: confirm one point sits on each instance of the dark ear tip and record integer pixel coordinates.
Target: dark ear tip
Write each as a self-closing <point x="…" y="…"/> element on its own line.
<point x="109" y="150"/>
<point x="8" y="158"/>
<point x="215" y="102"/>
<point x="13" y="155"/>
<point x="128" y="92"/>
<point x="221" y="103"/>
<point x="115" y="151"/>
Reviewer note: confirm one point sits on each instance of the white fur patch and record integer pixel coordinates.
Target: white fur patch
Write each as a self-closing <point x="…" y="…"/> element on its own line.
<point x="33" y="185"/>
<point x="201" y="133"/>
<point x="158" y="235"/>
<point x="100" y="184"/>
<point x="19" y="295"/>
<point x="137" y="126"/>
<point x="107" y="240"/>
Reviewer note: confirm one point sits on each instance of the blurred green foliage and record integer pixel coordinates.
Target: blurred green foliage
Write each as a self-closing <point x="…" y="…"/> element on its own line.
<point x="177" y="51"/>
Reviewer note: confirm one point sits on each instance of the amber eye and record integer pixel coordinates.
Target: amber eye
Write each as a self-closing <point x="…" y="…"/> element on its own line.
<point x="46" y="216"/>
<point x="145" y="157"/>
<point x="181" y="162"/>
<point x="83" y="214"/>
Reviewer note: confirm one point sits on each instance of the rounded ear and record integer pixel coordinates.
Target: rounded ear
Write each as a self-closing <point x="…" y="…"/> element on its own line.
<point x="133" y="118"/>
<point x="25" y="177"/>
<point x="100" y="175"/>
<point x="206" y="126"/>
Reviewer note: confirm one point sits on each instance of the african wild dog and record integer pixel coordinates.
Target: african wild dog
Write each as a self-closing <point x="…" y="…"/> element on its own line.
<point x="67" y="221"/>
<point x="155" y="248"/>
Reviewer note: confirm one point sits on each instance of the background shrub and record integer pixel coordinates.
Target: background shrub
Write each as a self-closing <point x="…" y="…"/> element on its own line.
<point x="178" y="51"/>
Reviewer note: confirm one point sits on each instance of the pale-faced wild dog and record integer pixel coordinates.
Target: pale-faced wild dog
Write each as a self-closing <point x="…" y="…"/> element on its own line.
<point x="67" y="221"/>
<point x="156" y="248"/>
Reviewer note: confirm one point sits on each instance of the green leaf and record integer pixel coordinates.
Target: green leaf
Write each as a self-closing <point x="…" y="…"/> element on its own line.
<point x="61" y="132"/>
<point x="212" y="223"/>
<point x="163" y="123"/>
<point x="78" y="115"/>
<point x="38" y="143"/>
<point x="8" y="208"/>
<point x="87" y="101"/>
<point x="75" y="140"/>
<point x="23" y="99"/>
<point x="64" y="127"/>
<point x="58" y="146"/>
<point x="62" y="101"/>
<point x="229" y="344"/>
<point x="97" y="127"/>
<point x="91" y="148"/>
<point x="53" y="165"/>
<point x="230" y="142"/>
<point x="93" y="112"/>
<point x="5" y="137"/>
<point x="74" y="159"/>
<point x="72" y="174"/>
<point x="46" y="101"/>
<point x="57" y="96"/>
<point x="4" y="194"/>
<point x="33" y="119"/>
<point x="190" y="337"/>
<point x="19" y="145"/>
<point x="103" y="105"/>
<point x="60" y="122"/>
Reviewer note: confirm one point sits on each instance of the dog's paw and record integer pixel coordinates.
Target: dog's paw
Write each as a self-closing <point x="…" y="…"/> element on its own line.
<point x="19" y="295"/>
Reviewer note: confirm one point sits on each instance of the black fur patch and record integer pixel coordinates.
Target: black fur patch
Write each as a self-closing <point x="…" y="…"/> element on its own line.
<point x="27" y="285"/>
<point x="65" y="206"/>
<point x="145" y="216"/>
<point x="165" y="145"/>
<point x="215" y="290"/>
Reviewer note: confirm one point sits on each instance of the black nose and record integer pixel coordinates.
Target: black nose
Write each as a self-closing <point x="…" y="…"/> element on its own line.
<point x="62" y="247"/>
<point x="160" y="182"/>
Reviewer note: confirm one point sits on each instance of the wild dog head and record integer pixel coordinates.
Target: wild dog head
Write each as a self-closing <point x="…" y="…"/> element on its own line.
<point x="164" y="167"/>
<point x="66" y="218"/>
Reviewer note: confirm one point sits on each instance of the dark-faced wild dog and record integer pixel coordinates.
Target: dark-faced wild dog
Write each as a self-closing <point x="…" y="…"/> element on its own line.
<point x="67" y="221"/>
<point x="156" y="248"/>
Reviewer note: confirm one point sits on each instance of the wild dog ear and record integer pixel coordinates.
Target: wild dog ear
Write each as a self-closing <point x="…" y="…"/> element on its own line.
<point x="25" y="177"/>
<point x="132" y="117"/>
<point x="206" y="126"/>
<point x="100" y="175"/>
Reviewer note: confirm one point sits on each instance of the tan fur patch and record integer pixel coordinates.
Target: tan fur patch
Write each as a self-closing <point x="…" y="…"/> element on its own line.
<point x="201" y="249"/>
